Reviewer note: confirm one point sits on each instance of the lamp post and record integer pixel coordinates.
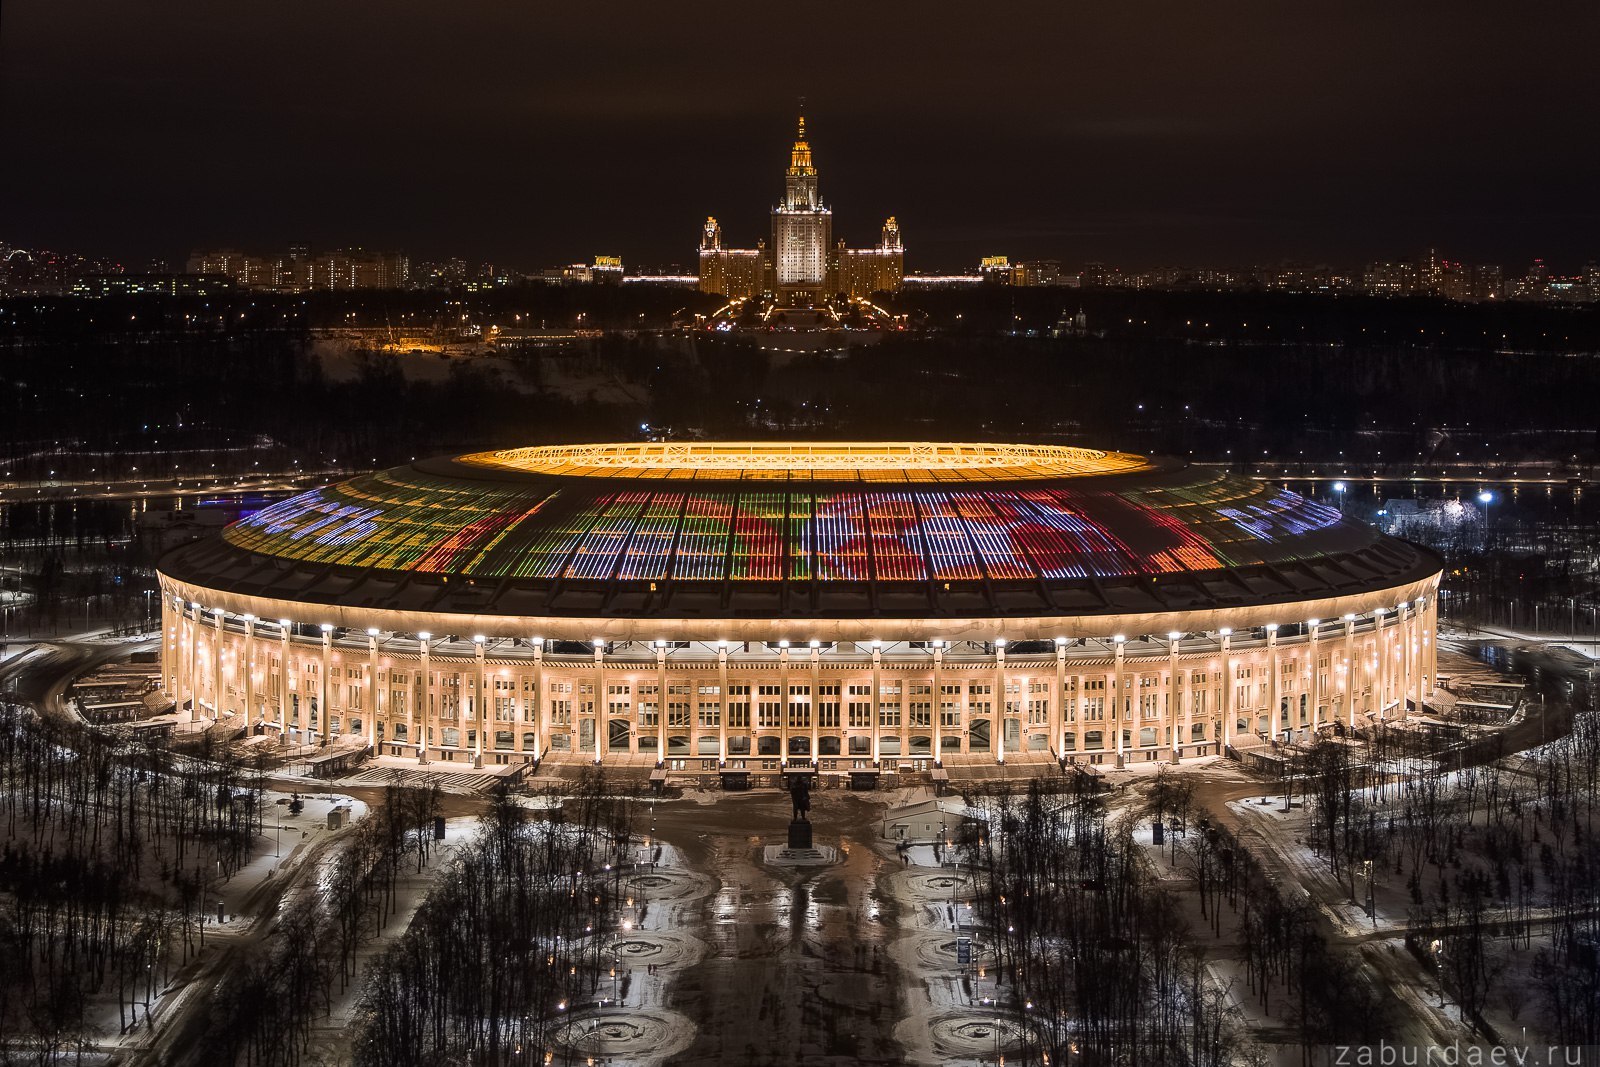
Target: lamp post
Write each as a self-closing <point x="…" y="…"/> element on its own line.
<point x="1486" y="498"/>
<point x="1340" y="487"/>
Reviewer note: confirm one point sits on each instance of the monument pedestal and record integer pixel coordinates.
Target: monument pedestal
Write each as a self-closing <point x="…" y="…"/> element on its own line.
<point x="799" y="834"/>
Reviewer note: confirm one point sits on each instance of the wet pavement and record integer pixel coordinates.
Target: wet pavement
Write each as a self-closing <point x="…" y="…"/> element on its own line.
<point x="797" y="967"/>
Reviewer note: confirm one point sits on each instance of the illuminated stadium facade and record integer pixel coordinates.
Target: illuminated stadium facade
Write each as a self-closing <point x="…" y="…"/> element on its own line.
<point x="755" y="606"/>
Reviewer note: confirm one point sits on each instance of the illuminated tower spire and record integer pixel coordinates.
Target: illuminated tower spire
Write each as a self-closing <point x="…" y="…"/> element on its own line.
<point x="801" y="229"/>
<point x="800" y="155"/>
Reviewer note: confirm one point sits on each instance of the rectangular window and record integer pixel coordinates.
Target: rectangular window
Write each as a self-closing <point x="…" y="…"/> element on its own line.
<point x="889" y="715"/>
<point x="739" y="715"/>
<point x="828" y="714"/>
<point x="949" y="713"/>
<point x="710" y="714"/>
<point x="767" y="713"/>
<point x="860" y="713"/>
<point x="920" y="712"/>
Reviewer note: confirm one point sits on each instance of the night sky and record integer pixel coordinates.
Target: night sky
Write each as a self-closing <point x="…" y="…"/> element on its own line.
<point x="527" y="133"/>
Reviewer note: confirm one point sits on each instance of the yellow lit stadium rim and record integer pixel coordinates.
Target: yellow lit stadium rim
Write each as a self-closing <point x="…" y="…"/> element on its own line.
<point x="865" y="461"/>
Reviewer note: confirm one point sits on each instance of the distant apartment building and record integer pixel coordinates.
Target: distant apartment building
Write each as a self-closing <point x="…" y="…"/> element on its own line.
<point x="300" y="270"/>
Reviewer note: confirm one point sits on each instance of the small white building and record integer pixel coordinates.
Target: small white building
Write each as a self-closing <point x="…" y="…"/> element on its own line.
<point x="928" y="820"/>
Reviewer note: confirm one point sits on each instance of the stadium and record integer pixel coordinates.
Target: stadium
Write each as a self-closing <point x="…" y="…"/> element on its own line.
<point x="730" y="607"/>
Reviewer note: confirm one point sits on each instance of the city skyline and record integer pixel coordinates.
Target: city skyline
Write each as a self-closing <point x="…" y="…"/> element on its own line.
<point x="1143" y="137"/>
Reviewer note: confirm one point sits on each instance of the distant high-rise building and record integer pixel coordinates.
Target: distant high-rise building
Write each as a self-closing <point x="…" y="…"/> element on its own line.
<point x="802" y="231"/>
<point x="299" y="270"/>
<point x="859" y="272"/>
<point x="802" y="267"/>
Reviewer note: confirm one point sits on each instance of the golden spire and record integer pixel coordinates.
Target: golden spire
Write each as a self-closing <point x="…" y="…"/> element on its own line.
<point x="800" y="154"/>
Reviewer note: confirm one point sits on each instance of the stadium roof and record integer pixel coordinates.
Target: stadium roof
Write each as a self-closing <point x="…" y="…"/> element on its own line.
<point x="805" y="530"/>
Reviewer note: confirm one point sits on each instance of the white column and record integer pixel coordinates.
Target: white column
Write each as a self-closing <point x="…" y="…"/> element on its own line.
<point x="372" y="690"/>
<point x="480" y="704"/>
<point x="938" y="703"/>
<point x="324" y="717"/>
<point x="1274" y="681"/>
<point x="783" y="704"/>
<point x="1174" y="696"/>
<point x="1383" y="663"/>
<point x="1228" y="686"/>
<point x="427" y="699"/>
<point x="216" y="665"/>
<point x="541" y="736"/>
<point x="1316" y="677"/>
<point x="877" y="663"/>
<point x="169" y="649"/>
<point x="194" y="663"/>
<point x="600" y="724"/>
<point x="722" y="704"/>
<point x="1348" y="680"/>
<point x="999" y="723"/>
<point x="1056" y="712"/>
<point x="816" y="702"/>
<point x="1417" y="653"/>
<point x="1116" y="695"/>
<point x="283" y="681"/>
<point x="661" y="700"/>
<point x="249" y="668"/>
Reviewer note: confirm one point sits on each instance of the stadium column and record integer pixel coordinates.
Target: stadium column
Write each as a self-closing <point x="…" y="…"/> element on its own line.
<point x="816" y="698"/>
<point x="938" y="703"/>
<point x="424" y="734"/>
<point x="722" y="706"/>
<point x="1430" y="651"/>
<point x="249" y="668"/>
<point x="1381" y="649"/>
<point x="998" y="726"/>
<point x="661" y="700"/>
<point x="1347" y="680"/>
<point x="877" y="666"/>
<point x="783" y="704"/>
<point x="1228" y="687"/>
<point x="480" y="703"/>
<point x="541" y="736"/>
<point x="1416" y="656"/>
<point x="1174" y="697"/>
<point x="169" y="658"/>
<point x="410" y="696"/>
<point x="1274" y="681"/>
<point x="194" y="661"/>
<point x="1117" y="687"/>
<point x="372" y="690"/>
<point x="323" y="717"/>
<point x="216" y="666"/>
<point x="601" y="727"/>
<point x="1055" y="711"/>
<point x="1315" y="657"/>
<point x="283" y="681"/>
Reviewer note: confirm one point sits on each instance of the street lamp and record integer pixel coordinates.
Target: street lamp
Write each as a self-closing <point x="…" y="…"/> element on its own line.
<point x="1340" y="487"/>
<point x="1485" y="498"/>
